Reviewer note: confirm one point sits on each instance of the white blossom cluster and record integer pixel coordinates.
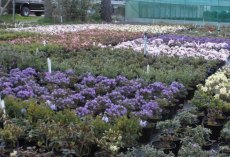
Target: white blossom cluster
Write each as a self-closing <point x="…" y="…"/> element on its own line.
<point x="57" y="29"/>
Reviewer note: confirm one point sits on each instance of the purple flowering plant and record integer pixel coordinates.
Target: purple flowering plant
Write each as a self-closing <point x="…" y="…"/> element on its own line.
<point x="89" y="94"/>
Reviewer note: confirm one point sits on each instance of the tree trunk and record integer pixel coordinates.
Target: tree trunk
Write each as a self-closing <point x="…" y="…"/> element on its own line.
<point x="0" y="7"/>
<point x="48" y="9"/>
<point x="106" y="10"/>
<point x="4" y="7"/>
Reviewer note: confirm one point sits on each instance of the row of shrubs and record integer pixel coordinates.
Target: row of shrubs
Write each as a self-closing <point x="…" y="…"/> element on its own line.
<point x="189" y="71"/>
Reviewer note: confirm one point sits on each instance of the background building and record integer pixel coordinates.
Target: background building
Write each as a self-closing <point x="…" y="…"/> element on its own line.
<point x="178" y="10"/>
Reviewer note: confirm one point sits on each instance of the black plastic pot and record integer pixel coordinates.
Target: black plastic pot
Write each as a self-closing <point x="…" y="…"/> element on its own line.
<point x="207" y="145"/>
<point x="215" y="129"/>
<point x="146" y="133"/>
<point x="226" y="151"/>
<point x="166" y="146"/>
<point x="103" y="153"/>
<point x="178" y="146"/>
<point x="154" y="119"/>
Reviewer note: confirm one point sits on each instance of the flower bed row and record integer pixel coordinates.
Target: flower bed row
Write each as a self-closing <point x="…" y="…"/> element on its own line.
<point x="92" y="95"/>
<point x="200" y="40"/>
<point x="32" y="128"/>
<point x="58" y="29"/>
<point x="80" y="40"/>
<point x="113" y="114"/>
<point x="112" y="63"/>
<point x="180" y="46"/>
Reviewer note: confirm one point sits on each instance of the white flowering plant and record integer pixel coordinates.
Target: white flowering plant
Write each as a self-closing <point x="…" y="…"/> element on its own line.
<point x="111" y="141"/>
<point x="215" y="93"/>
<point x="218" y="85"/>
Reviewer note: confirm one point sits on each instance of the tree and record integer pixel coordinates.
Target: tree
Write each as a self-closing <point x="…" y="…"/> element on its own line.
<point x="48" y="9"/>
<point x="106" y="10"/>
<point x="4" y="7"/>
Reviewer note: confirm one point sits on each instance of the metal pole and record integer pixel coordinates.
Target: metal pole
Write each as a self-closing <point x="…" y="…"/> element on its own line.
<point x="13" y="11"/>
<point x="218" y="21"/>
<point x="145" y="44"/>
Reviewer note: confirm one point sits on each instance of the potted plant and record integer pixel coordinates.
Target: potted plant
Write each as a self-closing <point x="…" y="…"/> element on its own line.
<point x="169" y="129"/>
<point x="217" y="114"/>
<point x="11" y="133"/>
<point x="194" y="150"/>
<point x="145" y="151"/>
<point x="225" y="133"/>
<point x="198" y="135"/>
<point x="110" y="143"/>
<point x="168" y="140"/>
<point x="215" y="127"/>
<point x="224" y="149"/>
<point x="146" y="131"/>
<point x="130" y="130"/>
<point x="186" y="118"/>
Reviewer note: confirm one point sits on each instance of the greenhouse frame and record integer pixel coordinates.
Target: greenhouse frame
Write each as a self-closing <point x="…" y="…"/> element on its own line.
<point x="217" y="11"/>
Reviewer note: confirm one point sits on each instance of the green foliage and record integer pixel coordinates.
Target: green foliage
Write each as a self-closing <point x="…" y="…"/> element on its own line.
<point x="99" y="127"/>
<point x="198" y="135"/>
<point x="194" y="150"/>
<point x="65" y="117"/>
<point x="70" y="9"/>
<point x="18" y="18"/>
<point x="61" y="131"/>
<point x="36" y="112"/>
<point x="109" y="63"/>
<point x="11" y="133"/>
<point x="129" y="128"/>
<point x="168" y="126"/>
<point x="8" y="35"/>
<point x="225" y="133"/>
<point x="31" y="110"/>
<point x="145" y="151"/>
<point x="22" y="56"/>
<point x="203" y="101"/>
<point x="186" y="118"/>
<point x="133" y="65"/>
<point x="14" y="107"/>
<point x="13" y="59"/>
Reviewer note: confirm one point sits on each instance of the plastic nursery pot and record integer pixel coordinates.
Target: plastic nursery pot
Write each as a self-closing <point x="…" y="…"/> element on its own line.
<point x="166" y="146"/>
<point x="166" y="114"/>
<point x="207" y="145"/>
<point x="146" y="133"/>
<point x="154" y="119"/>
<point x="178" y="144"/>
<point x="125" y="148"/>
<point x="94" y="149"/>
<point x="224" y="148"/>
<point x="200" y="118"/>
<point x="191" y="91"/>
<point x="103" y="153"/>
<point x="215" y="127"/>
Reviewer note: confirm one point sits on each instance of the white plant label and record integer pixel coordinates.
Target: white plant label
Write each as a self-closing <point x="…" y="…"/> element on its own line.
<point x="49" y="65"/>
<point x="148" y="69"/>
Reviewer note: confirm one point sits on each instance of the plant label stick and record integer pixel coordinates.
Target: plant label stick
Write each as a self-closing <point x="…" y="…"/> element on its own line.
<point x="3" y="106"/>
<point x="44" y="42"/>
<point x="49" y="65"/>
<point x="36" y="53"/>
<point x="148" y="69"/>
<point x="61" y="19"/>
<point x="145" y="44"/>
<point x="0" y="102"/>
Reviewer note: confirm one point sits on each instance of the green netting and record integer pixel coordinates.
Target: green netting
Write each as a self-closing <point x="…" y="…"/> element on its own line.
<point x="193" y="10"/>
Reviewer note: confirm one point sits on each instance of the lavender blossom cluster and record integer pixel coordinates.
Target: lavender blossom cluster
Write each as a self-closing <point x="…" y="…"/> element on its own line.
<point x="90" y="94"/>
<point x="190" y="39"/>
<point x="182" y="46"/>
